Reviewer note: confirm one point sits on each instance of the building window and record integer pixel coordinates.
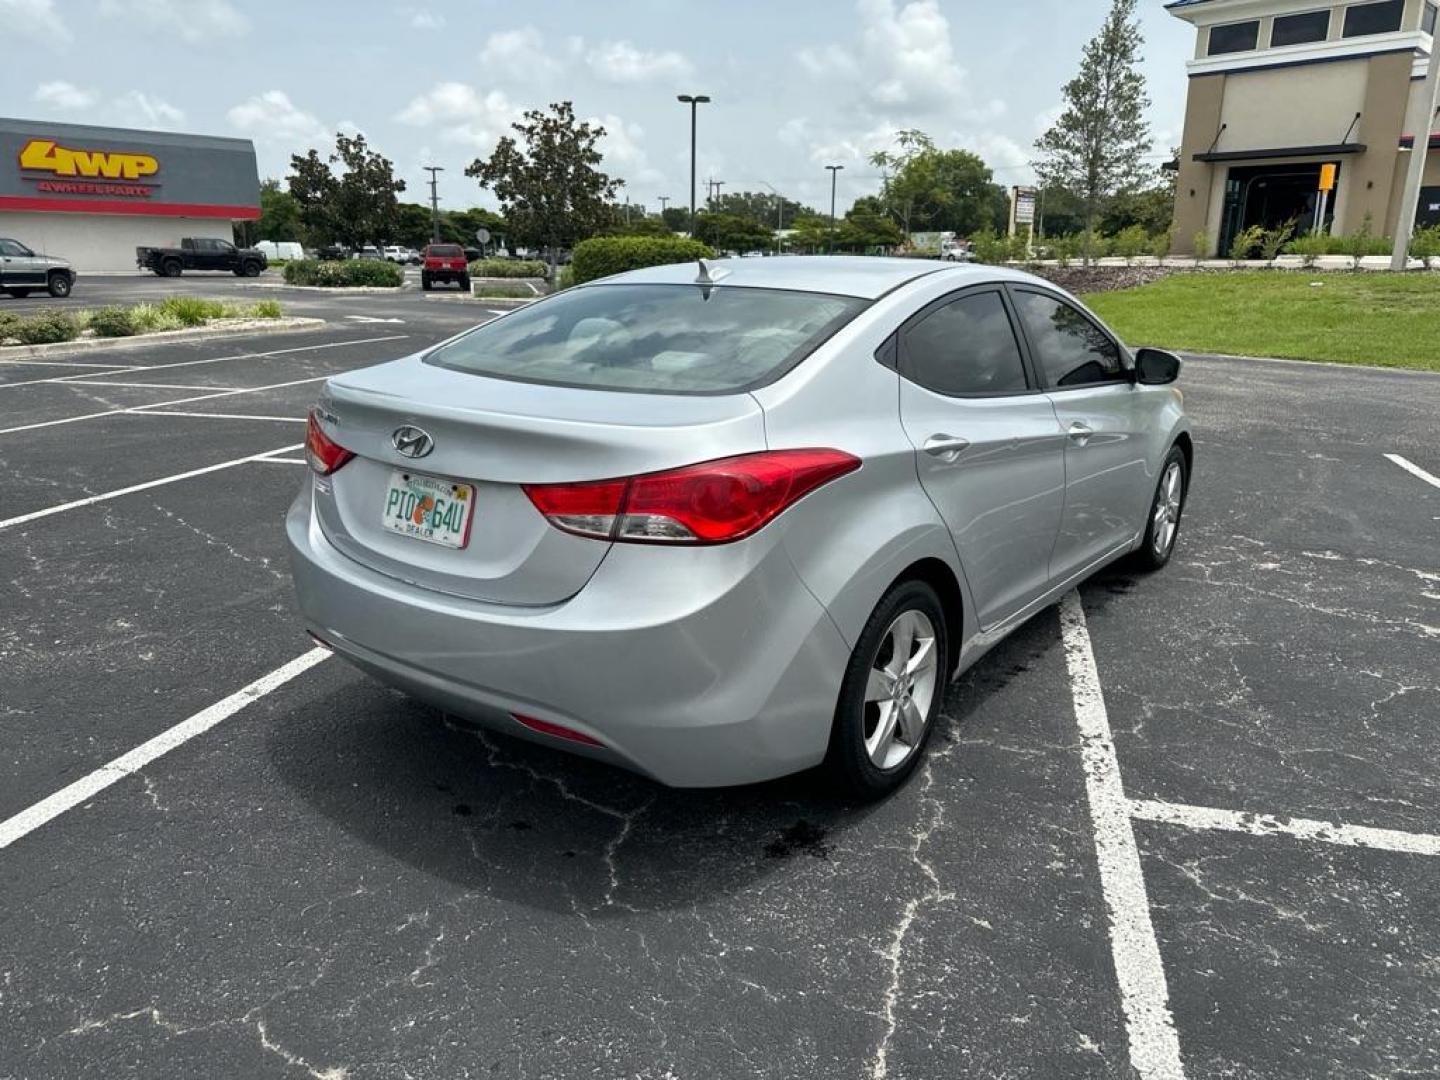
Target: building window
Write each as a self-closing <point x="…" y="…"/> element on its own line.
<point x="1381" y="18"/>
<point x="1300" y="29"/>
<point x="1234" y="37"/>
<point x="1427" y="20"/>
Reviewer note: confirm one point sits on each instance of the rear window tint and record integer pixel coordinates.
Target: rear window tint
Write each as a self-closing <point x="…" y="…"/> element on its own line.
<point x="444" y="251"/>
<point x="673" y="339"/>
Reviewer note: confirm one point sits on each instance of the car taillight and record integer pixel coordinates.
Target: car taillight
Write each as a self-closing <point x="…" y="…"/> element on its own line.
<point x="323" y="454"/>
<point x="711" y="503"/>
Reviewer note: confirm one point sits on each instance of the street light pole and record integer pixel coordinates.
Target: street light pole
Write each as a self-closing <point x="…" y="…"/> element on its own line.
<point x="834" y="172"/>
<point x="434" y="201"/>
<point x="1410" y="201"/>
<point x="693" y="100"/>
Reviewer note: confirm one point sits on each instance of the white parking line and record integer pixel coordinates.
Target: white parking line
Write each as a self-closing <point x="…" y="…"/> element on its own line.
<point x="1415" y="470"/>
<point x="36" y="515"/>
<point x="160" y="405"/>
<point x="219" y="415"/>
<point x="69" y="364"/>
<point x="126" y="368"/>
<point x="155" y="385"/>
<point x="1144" y="994"/>
<point x="72" y="795"/>
<point x="284" y="460"/>
<point x="1329" y="832"/>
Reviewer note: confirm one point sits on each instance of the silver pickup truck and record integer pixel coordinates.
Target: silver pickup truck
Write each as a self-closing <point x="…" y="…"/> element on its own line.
<point x="22" y="271"/>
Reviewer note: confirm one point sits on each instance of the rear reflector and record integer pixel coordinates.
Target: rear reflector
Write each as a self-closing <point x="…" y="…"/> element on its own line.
<point x="560" y="731"/>
<point x="323" y="454"/>
<point x="715" y="502"/>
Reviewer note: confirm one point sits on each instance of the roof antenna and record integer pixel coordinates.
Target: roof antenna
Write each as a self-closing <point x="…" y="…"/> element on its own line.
<point x="704" y="278"/>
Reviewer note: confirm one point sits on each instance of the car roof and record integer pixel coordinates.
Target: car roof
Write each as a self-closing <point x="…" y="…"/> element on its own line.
<point x="842" y="275"/>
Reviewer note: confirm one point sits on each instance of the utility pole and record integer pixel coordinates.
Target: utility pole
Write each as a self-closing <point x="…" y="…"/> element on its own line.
<point x="718" y="185"/>
<point x="1410" y="201"/>
<point x="693" y="100"/>
<point x="434" y="201"/>
<point x="779" y="213"/>
<point x="834" y="172"/>
<point x="663" y="200"/>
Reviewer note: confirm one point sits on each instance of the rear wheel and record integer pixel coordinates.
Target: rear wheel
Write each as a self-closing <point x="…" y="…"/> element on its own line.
<point x="425" y="282"/>
<point x="171" y="268"/>
<point x="58" y="284"/>
<point x="464" y="284"/>
<point x="891" y="693"/>
<point x="1163" y="524"/>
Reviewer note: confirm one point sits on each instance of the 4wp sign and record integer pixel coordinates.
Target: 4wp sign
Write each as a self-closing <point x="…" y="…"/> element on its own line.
<point x="95" y="171"/>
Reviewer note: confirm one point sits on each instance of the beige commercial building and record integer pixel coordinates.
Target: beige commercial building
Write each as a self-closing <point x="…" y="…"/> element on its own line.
<point x="1279" y="88"/>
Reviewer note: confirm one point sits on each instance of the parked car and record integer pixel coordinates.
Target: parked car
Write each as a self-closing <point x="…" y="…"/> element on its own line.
<point x="201" y="253"/>
<point x="403" y="256"/>
<point x="369" y="251"/>
<point x="22" y="271"/>
<point x="957" y="251"/>
<point x="444" y="263"/>
<point x="722" y="526"/>
<point x="280" y="249"/>
<point x="333" y="252"/>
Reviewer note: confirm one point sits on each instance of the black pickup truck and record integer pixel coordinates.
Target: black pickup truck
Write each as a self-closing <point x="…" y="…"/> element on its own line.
<point x="201" y="253"/>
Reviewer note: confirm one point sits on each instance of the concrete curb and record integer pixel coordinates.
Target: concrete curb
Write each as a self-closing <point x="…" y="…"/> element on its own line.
<point x="1204" y="357"/>
<point x="161" y="337"/>
<point x="325" y="288"/>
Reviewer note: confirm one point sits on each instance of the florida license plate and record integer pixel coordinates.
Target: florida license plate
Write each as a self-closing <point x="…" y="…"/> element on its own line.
<point x="429" y="508"/>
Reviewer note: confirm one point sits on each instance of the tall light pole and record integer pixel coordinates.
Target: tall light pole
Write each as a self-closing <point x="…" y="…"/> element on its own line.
<point x="434" y="201"/>
<point x="694" y="101"/>
<point x="834" y="172"/>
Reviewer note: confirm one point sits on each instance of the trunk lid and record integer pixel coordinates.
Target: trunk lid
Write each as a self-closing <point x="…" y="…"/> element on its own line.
<point x="496" y="435"/>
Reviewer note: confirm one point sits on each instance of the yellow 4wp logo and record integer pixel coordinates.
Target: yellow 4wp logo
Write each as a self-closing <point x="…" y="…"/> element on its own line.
<point x="46" y="156"/>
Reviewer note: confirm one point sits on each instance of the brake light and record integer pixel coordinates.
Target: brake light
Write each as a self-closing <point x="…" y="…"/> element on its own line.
<point x="715" y="502"/>
<point x="324" y="454"/>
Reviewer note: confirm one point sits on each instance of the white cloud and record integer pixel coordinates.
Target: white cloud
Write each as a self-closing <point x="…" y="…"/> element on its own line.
<point x="192" y="20"/>
<point x="518" y="53"/>
<point x="625" y="157"/>
<point x="272" y="116"/>
<point x="462" y="113"/>
<point x="64" y="95"/>
<point x="424" y="18"/>
<point x="138" y="109"/>
<point x="622" y="62"/>
<point x="36" y="20"/>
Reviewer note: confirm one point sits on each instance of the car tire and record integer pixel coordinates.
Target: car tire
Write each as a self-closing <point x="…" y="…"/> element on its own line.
<point x="252" y="269"/>
<point x="1162" y="520"/>
<point x="171" y="268"/>
<point x="888" y="706"/>
<point x="425" y="282"/>
<point x="464" y="284"/>
<point x="58" y="285"/>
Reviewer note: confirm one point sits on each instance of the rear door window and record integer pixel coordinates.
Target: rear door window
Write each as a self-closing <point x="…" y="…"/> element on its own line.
<point x="1065" y="344"/>
<point x="964" y="348"/>
<point x="670" y="339"/>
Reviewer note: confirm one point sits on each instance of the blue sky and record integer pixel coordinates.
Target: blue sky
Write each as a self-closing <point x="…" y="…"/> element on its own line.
<point x="797" y="83"/>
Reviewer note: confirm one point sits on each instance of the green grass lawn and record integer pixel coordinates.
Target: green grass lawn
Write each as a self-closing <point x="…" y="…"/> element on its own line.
<point x="1392" y="320"/>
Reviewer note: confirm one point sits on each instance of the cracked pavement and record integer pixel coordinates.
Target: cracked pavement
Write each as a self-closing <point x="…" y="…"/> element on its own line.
<point x="339" y="883"/>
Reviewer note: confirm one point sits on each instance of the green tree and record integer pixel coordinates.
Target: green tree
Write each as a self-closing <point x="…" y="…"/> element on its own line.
<point x="677" y="218"/>
<point x="1098" y="146"/>
<point x="359" y="205"/>
<point x="932" y="190"/>
<point x="809" y="232"/>
<point x="726" y="232"/>
<point x="551" y="191"/>
<point x="762" y="206"/>
<point x="865" y="228"/>
<point x="279" y="213"/>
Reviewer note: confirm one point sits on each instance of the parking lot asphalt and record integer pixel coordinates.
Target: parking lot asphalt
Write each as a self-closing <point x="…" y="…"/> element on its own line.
<point x="1215" y="784"/>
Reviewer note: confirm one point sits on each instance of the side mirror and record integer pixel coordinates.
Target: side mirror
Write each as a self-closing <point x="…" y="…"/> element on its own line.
<point x="1156" y="367"/>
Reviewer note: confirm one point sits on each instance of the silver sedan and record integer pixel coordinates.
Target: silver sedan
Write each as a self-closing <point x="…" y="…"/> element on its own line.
<point x="722" y="523"/>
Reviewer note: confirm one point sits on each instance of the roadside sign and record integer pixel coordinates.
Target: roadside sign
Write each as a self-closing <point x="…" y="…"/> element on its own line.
<point x="482" y="235"/>
<point x="1327" y="176"/>
<point x="1024" y="206"/>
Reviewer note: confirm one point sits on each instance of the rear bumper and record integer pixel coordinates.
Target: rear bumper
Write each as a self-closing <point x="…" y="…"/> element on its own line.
<point x="698" y="667"/>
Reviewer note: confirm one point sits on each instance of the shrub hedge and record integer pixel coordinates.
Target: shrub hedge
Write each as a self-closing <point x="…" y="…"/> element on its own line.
<point x="46" y="328"/>
<point x="509" y="268"/>
<point x="346" y="273"/>
<point x="606" y="255"/>
<point x="113" y="322"/>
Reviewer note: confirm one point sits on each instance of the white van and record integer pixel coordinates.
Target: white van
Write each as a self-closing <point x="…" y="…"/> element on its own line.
<point x="280" y="249"/>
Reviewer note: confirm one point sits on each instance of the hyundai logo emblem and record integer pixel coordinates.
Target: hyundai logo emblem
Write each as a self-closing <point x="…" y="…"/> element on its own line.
<point x="412" y="442"/>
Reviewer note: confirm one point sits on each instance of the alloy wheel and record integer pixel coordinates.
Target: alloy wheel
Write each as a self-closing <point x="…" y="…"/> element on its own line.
<point x="1165" y="518"/>
<point x="900" y="690"/>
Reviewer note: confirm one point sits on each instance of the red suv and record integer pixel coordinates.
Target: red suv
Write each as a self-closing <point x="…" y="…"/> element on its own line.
<point x="445" y="262"/>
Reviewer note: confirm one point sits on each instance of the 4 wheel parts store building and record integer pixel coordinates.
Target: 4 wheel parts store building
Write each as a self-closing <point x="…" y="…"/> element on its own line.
<point x="93" y="195"/>
<point x="1281" y="88"/>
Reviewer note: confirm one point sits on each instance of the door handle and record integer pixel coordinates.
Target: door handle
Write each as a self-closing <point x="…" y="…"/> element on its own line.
<point x="947" y="448"/>
<point x="1080" y="433"/>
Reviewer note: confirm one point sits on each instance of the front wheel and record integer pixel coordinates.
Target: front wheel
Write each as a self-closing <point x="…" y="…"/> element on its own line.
<point x="1163" y="524"/>
<point x="891" y="693"/>
<point x="171" y="268"/>
<point x="58" y="285"/>
<point x="252" y="269"/>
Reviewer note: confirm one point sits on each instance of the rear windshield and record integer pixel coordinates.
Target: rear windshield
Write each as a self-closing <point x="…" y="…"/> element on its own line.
<point x="676" y="339"/>
<point x="444" y="251"/>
